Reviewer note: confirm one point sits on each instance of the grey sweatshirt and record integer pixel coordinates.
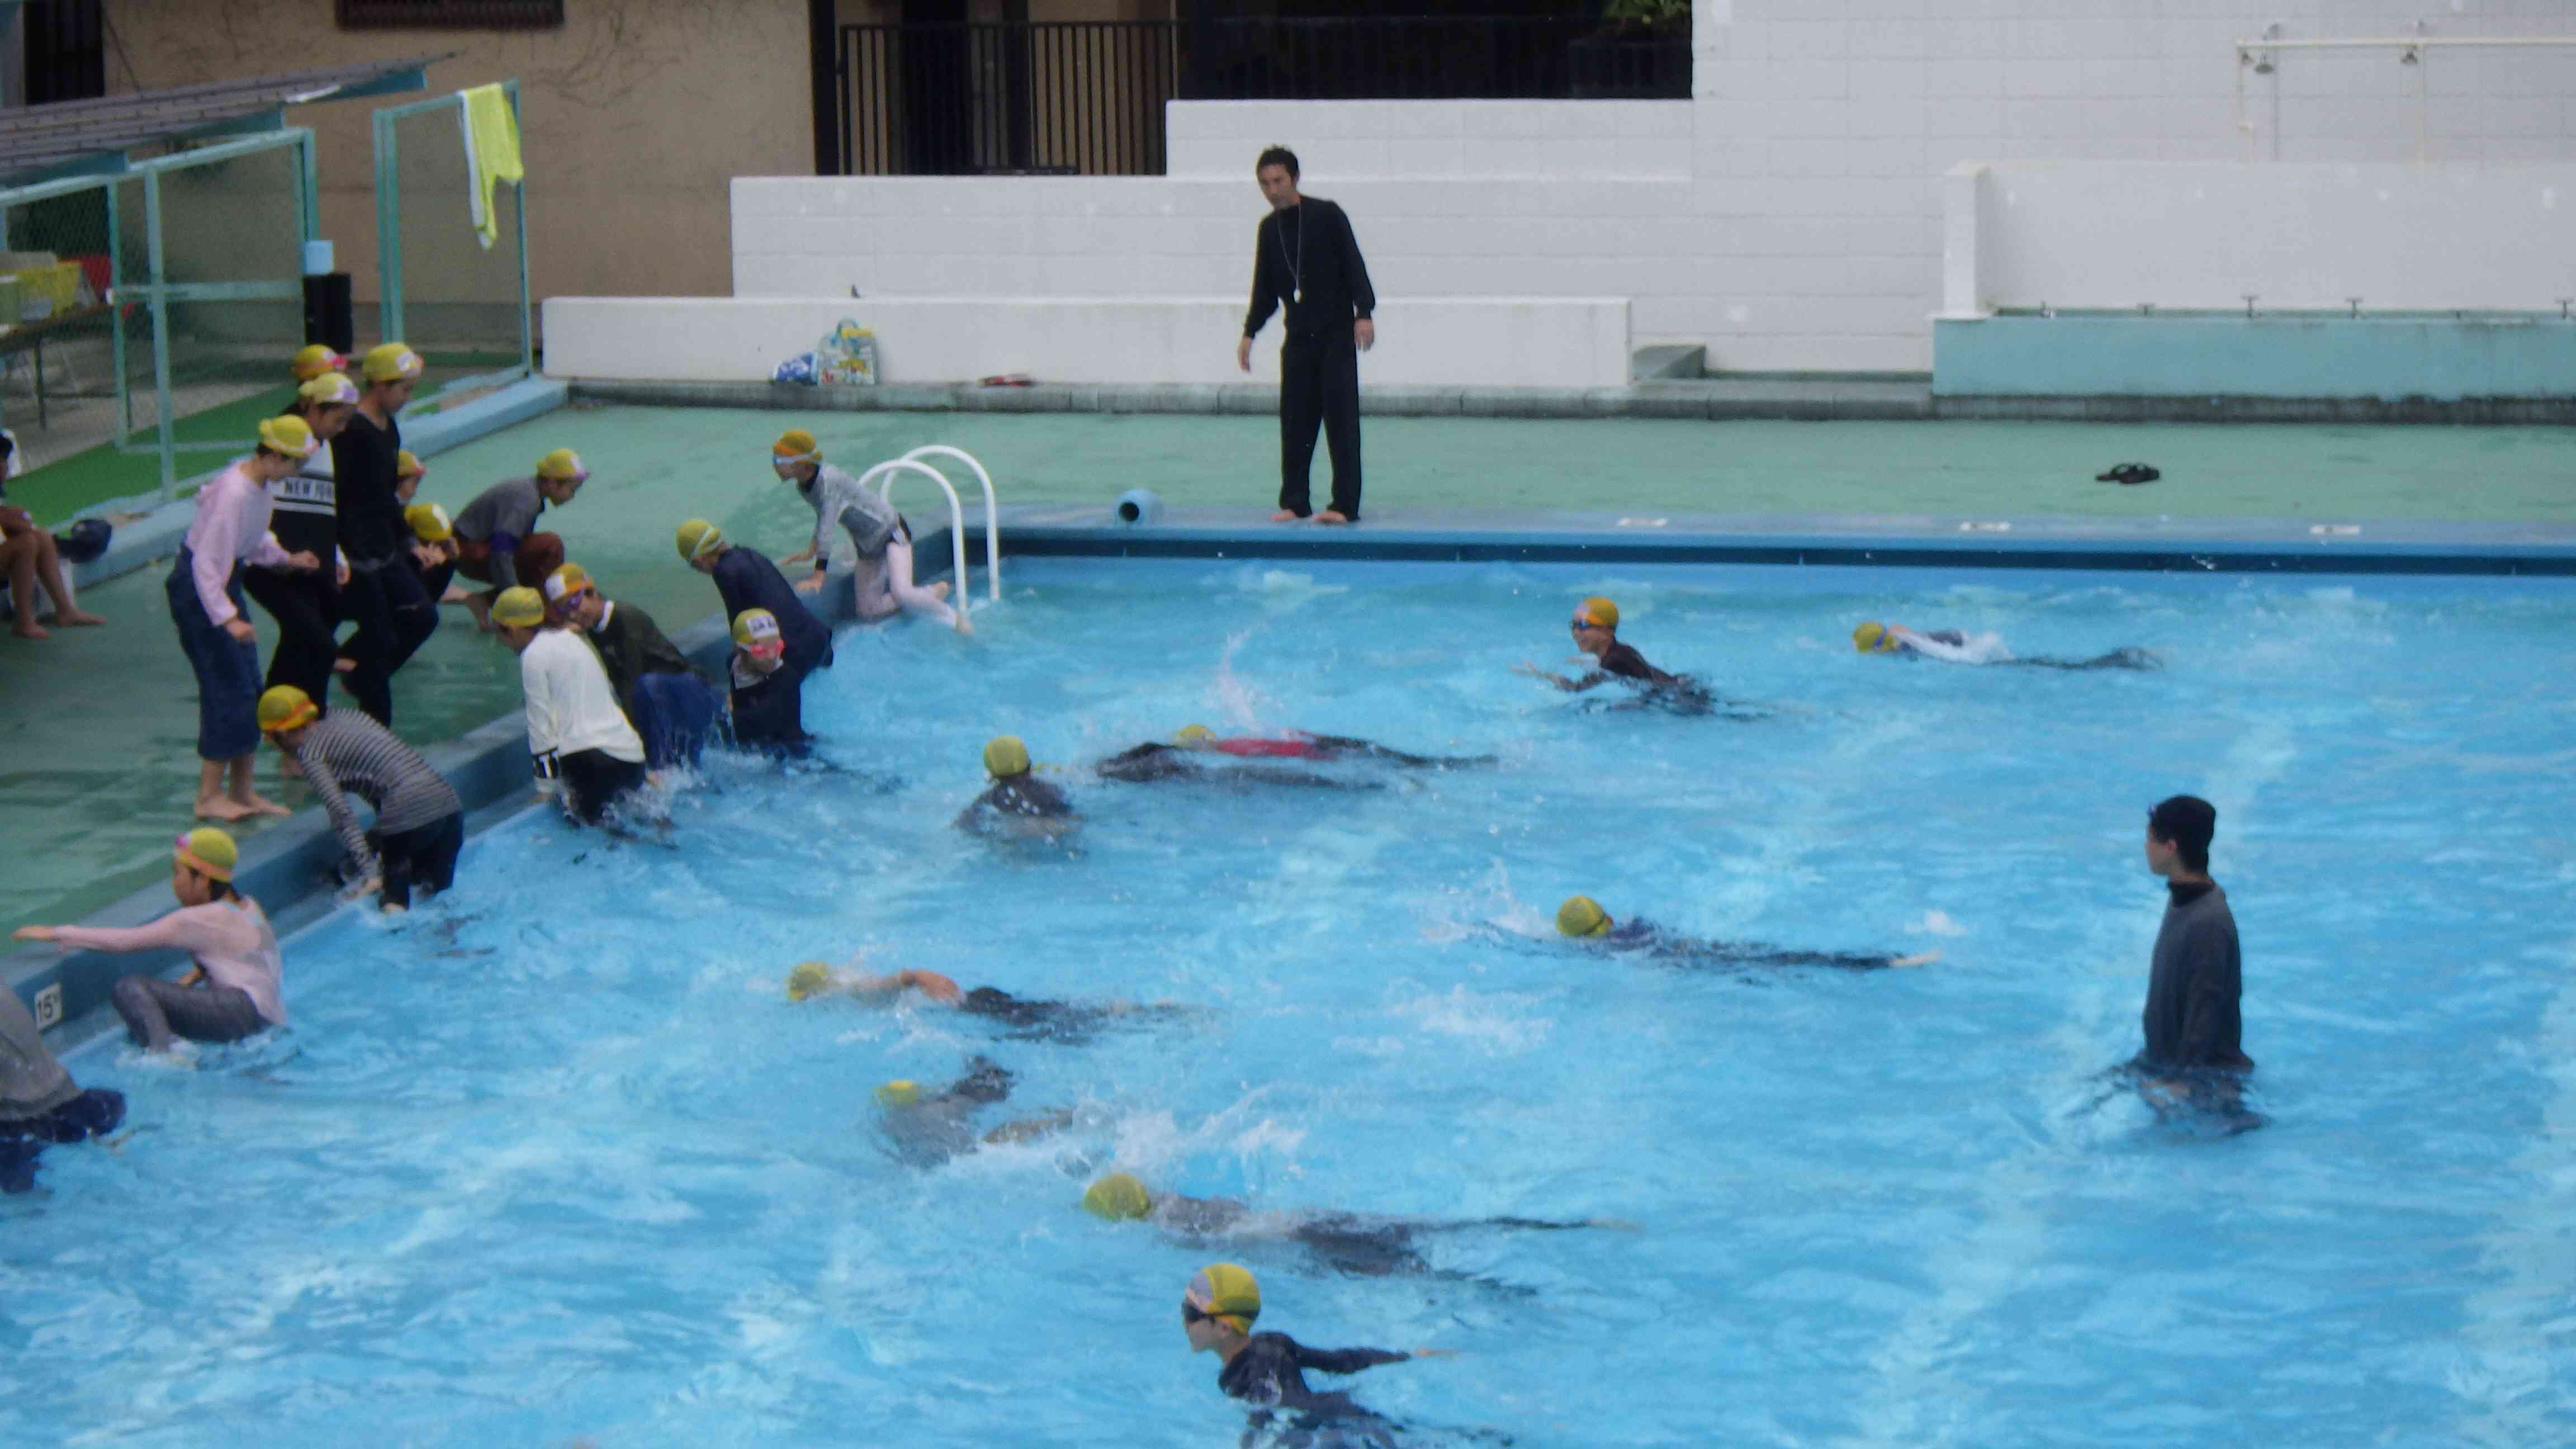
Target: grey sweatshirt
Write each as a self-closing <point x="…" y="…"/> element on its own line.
<point x="2191" y="1016"/>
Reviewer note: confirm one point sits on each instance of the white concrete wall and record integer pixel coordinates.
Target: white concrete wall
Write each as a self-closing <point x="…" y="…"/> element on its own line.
<point x="2401" y="238"/>
<point x="1221" y="139"/>
<point x="1487" y="342"/>
<point x="1790" y="216"/>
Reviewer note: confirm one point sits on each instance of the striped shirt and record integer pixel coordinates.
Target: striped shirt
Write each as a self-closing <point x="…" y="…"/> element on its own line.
<point x="345" y="753"/>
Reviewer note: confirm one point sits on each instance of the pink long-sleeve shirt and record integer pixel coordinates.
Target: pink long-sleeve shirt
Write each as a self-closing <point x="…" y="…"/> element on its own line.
<point x="231" y="939"/>
<point x="231" y="526"/>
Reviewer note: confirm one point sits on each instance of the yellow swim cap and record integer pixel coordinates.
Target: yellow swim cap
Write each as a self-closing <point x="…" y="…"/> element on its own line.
<point x="570" y="578"/>
<point x="697" y="538"/>
<point x="1597" y="610"/>
<point x="289" y="436"/>
<point x="519" y="607"/>
<point x="1118" y="1197"/>
<point x="407" y="466"/>
<point x="1582" y="916"/>
<point x="1872" y="638"/>
<point x="754" y="627"/>
<point x="561" y="464"/>
<point x="209" y="852"/>
<point x="1192" y="734"/>
<point x="390" y="362"/>
<point x="899" y="1093"/>
<point x="429" y="523"/>
<point x="1005" y="756"/>
<point x="808" y="978"/>
<point x="330" y="390"/>
<point x="284" y="708"/>
<point x="1227" y="1291"/>
<point x="313" y="360"/>
<point x="796" y="446"/>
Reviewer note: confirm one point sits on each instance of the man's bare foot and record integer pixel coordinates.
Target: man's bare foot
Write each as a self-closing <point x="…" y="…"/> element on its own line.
<point x="1283" y="516"/>
<point x="456" y="594"/>
<point x="256" y="803"/>
<point x="76" y="619"/>
<point x="939" y="589"/>
<point x="219" y="807"/>
<point x="1329" y="516"/>
<point x="26" y="628"/>
<point x="480" y="606"/>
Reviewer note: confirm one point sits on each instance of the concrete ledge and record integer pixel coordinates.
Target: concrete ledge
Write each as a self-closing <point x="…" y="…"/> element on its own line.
<point x="2368" y="363"/>
<point x="1079" y="342"/>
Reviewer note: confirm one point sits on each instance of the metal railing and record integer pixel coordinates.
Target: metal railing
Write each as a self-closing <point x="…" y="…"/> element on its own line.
<point x="1086" y="97"/>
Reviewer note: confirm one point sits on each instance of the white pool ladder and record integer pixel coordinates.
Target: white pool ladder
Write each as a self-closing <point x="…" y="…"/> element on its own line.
<point x="883" y="476"/>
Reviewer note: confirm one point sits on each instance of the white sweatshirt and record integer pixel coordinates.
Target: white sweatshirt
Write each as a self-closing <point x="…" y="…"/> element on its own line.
<point x="570" y="706"/>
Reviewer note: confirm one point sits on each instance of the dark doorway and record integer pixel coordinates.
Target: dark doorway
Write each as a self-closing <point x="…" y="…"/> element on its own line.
<point x="66" y="51"/>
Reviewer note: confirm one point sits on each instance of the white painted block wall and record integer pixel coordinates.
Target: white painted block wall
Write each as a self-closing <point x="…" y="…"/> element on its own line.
<point x="1452" y="342"/>
<point x="2305" y="237"/>
<point x="1790" y="216"/>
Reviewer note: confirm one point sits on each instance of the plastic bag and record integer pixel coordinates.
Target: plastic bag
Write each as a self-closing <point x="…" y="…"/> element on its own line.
<point x="799" y="368"/>
<point x="847" y="355"/>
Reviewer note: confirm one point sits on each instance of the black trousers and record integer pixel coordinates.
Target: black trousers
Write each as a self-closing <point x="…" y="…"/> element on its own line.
<point x="306" y="606"/>
<point x="594" y="781"/>
<point x="394" y="618"/>
<point x="1319" y="385"/>
<point x="423" y="858"/>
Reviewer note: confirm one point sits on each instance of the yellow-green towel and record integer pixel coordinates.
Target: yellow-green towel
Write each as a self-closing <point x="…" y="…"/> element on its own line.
<point x="491" y="153"/>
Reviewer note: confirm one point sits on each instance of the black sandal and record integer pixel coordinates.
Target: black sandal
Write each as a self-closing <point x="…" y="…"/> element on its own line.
<point x="2126" y="473"/>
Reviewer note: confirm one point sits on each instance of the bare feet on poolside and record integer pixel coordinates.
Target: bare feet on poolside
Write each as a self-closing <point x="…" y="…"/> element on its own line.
<point x="221" y="807"/>
<point x="26" y="628"/>
<point x="1329" y="516"/>
<point x="1284" y="516"/>
<point x="939" y="589"/>
<point x="76" y="619"/>
<point x="256" y="803"/>
<point x="480" y="606"/>
<point x="963" y="627"/>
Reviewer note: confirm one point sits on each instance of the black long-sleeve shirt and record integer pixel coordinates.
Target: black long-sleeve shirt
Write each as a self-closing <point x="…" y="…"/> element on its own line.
<point x="2191" y="1016"/>
<point x="746" y="579"/>
<point x="631" y="646"/>
<point x="1267" y="1371"/>
<point x="362" y="467"/>
<point x="1307" y="257"/>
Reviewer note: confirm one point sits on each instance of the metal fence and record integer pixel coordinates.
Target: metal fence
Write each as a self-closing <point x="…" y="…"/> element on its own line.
<point x="462" y="305"/>
<point x="1067" y="98"/>
<point x="151" y="310"/>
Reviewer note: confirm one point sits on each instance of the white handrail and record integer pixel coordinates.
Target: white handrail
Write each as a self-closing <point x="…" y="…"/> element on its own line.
<point x="956" y="513"/>
<point x="992" y="514"/>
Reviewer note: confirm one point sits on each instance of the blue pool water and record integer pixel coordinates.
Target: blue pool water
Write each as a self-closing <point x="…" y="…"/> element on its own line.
<point x="556" y="1160"/>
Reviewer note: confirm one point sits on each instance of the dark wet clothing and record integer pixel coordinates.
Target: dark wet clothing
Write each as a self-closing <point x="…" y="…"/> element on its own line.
<point x="769" y="710"/>
<point x="748" y="580"/>
<point x="1021" y="797"/>
<point x="1626" y="663"/>
<point x="938" y="1127"/>
<point x="91" y="1113"/>
<point x="2191" y="1018"/>
<point x="2127" y="657"/>
<point x="1269" y="1372"/>
<point x="1363" y="1247"/>
<point x="1678" y="950"/>
<point x="1148" y="763"/>
<point x="1678" y="693"/>
<point x="1069" y="1022"/>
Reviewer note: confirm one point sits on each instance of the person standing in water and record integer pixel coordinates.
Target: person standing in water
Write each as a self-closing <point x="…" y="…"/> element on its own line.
<point x="2194" y="1052"/>
<point x="1304" y="254"/>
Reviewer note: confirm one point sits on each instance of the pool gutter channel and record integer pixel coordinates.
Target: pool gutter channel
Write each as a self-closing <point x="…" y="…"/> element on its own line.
<point x="289" y="867"/>
<point x="1708" y="399"/>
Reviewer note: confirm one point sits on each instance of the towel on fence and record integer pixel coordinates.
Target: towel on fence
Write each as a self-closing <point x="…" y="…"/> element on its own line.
<point x="491" y="153"/>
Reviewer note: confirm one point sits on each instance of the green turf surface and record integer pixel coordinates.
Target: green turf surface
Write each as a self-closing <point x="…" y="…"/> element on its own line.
<point x="99" y="724"/>
<point x="65" y="486"/>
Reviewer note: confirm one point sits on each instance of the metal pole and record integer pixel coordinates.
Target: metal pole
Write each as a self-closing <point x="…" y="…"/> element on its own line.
<point x="527" y="314"/>
<point x="160" y="332"/>
<point x="116" y="311"/>
<point x="308" y="181"/>
<point x="388" y="235"/>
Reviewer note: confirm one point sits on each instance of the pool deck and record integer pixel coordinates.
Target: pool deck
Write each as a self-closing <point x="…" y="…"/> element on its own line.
<point x="101" y="723"/>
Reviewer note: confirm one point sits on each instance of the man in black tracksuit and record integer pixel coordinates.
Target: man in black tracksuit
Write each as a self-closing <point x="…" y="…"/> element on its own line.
<point x="1304" y="254"/>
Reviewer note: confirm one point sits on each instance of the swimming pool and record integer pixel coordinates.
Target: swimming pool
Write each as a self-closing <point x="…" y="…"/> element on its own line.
<point x="557" y="1159"/>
